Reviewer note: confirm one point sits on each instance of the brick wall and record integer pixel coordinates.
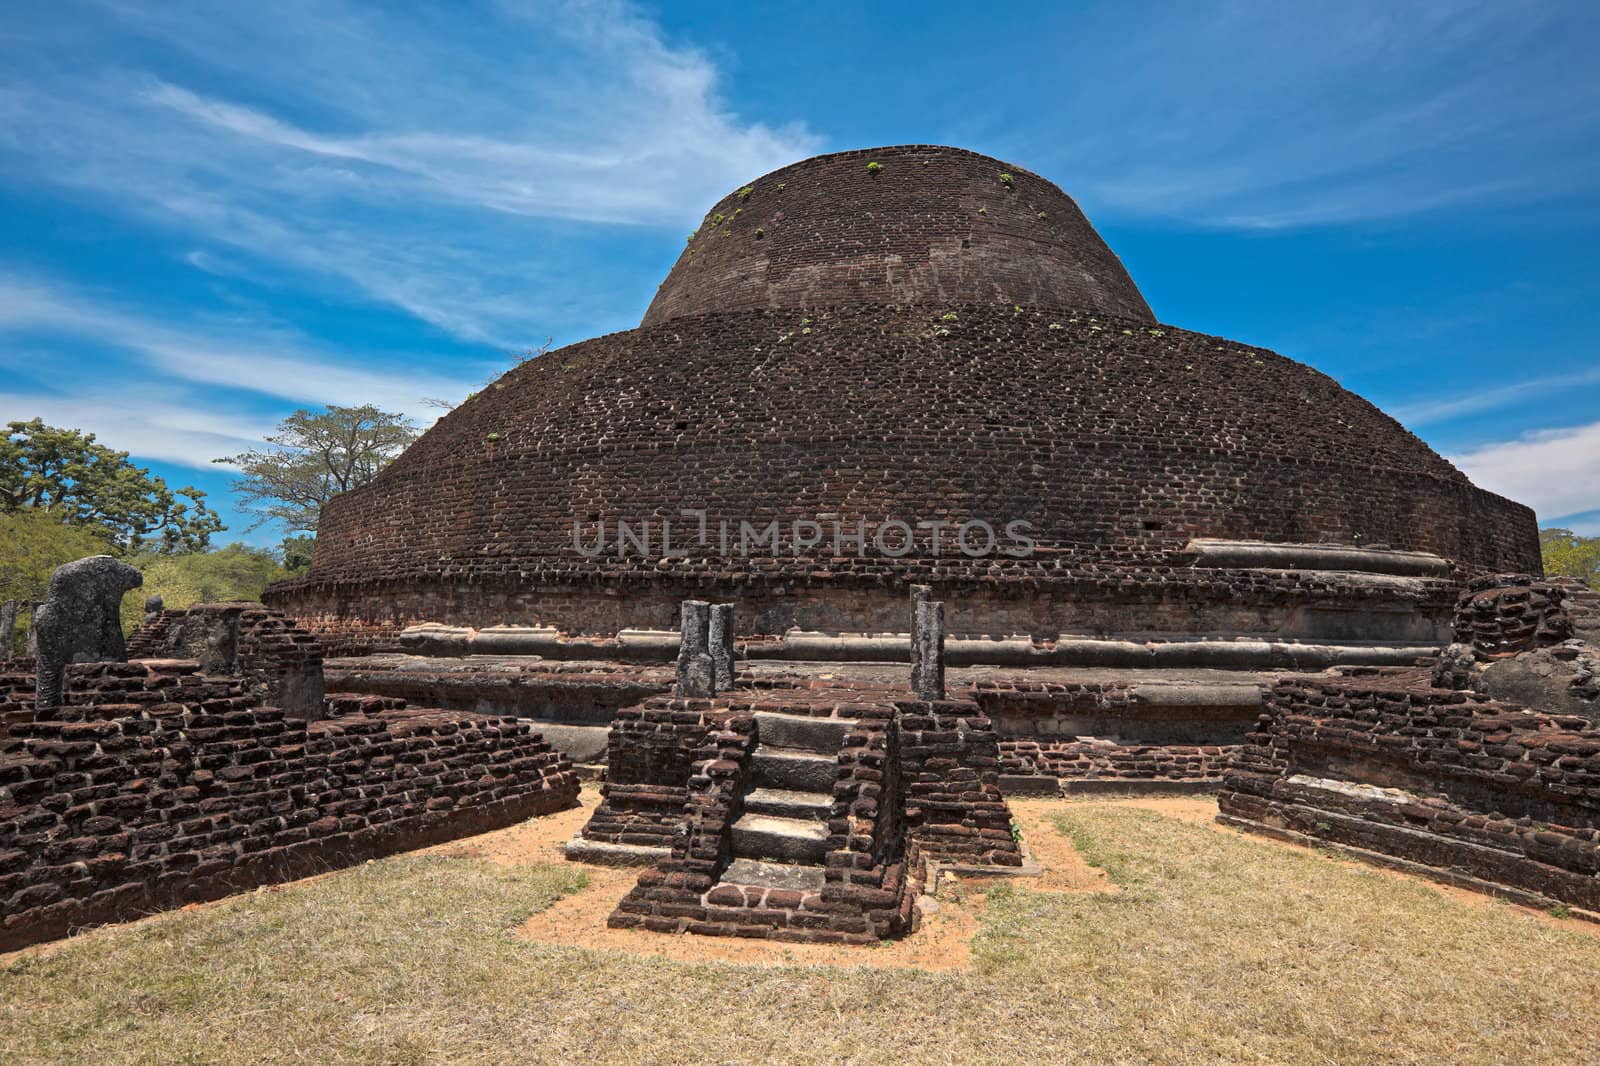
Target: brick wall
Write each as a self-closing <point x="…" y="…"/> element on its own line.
<point x="950" y="777"/>
<point x="1505" y="614"/>
<point x="1117" y="441"/>
<point x="650" y="756"/>
<point x="16" y="693"/>
<point x="1070" y="594"/>
<point x="1448" y="782"/>
<point x="1110" y="731"/>
<point x="929" y="224"/>
<point x="156" y="786"/>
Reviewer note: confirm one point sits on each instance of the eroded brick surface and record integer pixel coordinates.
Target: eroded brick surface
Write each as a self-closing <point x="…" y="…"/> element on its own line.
<point x="1450" y="780"/>
<point x="155" y="786"/>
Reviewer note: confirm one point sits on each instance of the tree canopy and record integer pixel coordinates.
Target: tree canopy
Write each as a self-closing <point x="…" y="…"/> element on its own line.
<point x="32" y="544"/>
<point x="234" y="572"/>
<point x="1568" y="555"/>
<point x="314" y="457"/>
<point x="79" y="482"/>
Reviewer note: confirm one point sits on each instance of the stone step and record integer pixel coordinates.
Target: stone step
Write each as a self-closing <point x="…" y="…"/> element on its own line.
<point x="792" y="770"/>
<point x="802" y="732"/>
<point x="791" y="840"/>
<point x="774" y="875"/>
<point x="786" y="803"/>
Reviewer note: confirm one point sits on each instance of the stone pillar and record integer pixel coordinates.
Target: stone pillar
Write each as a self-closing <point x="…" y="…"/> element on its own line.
<point x="8" y="627"/>
<point x="721" y="641"/>
<point x="81" y="621"/>
<point x="927" y="650"/>
<point x="33" y="630"/>
<point x="697" y="673"/>
<point x="920" y="594"/>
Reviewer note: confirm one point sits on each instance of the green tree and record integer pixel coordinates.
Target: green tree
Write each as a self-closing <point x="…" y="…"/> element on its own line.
<point x="296" y="552"/>
<point x="68" y="475"/>
<point x="314" y="457"/>
<point x="1568" y="555"/>
<point x="32" y="544"/>
<point x="234" y="572"/>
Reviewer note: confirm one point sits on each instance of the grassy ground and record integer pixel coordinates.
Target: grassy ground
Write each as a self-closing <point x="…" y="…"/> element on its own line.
<point x="1217" y="948"/>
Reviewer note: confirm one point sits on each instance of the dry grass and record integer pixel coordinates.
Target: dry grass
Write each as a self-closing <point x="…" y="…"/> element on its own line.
<point x="1216" y="948"/>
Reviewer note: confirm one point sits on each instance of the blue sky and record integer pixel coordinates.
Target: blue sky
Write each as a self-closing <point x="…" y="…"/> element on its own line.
<point x="214" y="214"/>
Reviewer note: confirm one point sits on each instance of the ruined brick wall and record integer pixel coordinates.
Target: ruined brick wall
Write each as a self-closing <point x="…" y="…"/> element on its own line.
<point x="1115" y="440"/>
<point x="157" y="786"/>
<point x="1111" y="731"/>
<point x="1463" y="787"/>
<point x="279" y="662"/>
<point x="926" y="225"/>
<point x="156" y="639"/>
<point x="1506" y="614"/>
<point x="1063" y="592"/>
<point x="950" y="774"/>
<point x="1104" y="760"/>
<point x="650" y="756"/>
<point x="16" y="693"/>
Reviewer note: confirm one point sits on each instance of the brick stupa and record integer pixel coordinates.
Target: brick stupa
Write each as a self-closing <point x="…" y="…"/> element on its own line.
<point x="922" y="335"/>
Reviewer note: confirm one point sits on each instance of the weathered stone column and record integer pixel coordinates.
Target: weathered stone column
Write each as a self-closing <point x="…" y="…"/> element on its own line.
<point x="81" y="621"/>
<point x="721" y="641"/>
<point x="8" y="627"/>
<point x="920" y="594"/>
<point x="697" y="673"/>
<point x="33" y="631"/>
<point x="927" y="650"/>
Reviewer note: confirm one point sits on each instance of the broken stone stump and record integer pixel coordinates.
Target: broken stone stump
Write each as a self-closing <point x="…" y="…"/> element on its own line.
<point x="697" y="672"/>
<point x="211" y="638"/>
<point x="721" y="644"/>
<point x="919" y="594"/>
<point x="80" y="621"/>
<point x="927" y="650"/>
<point x="153" y="606"/>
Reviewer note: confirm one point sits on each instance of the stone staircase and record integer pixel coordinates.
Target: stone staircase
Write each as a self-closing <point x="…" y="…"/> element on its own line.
<point x="781" y="839"/>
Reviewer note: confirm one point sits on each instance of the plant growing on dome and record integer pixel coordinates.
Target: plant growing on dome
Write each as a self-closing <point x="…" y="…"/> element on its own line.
<point x="1007" y="180"/>
<point x="874" y="167"/>
<point x="949" y="316"/>
<point x="744" y="193"/>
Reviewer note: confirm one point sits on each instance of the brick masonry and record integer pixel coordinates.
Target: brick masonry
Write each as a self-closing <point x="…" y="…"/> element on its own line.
<point x="156" y="786"/>
<point x="1107" y="731"/>
<point x="916" y="781"/>
<point x="1451" y="782"/>
<point x="1506" y="614"/>
<point x="927" y="225"/>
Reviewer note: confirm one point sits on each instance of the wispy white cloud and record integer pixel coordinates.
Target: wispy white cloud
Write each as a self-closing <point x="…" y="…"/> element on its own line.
<point x="376" y="149"/>
<point x="149" y="420"/>
<point x="1492" y="398"/>
<point x="1261" y="115"/>
<point x="1554" y="471"/>
<point x="272" y="362"/>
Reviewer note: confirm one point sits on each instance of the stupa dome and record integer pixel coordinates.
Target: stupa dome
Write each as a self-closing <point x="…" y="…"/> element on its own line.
<point x="944" y="339"/>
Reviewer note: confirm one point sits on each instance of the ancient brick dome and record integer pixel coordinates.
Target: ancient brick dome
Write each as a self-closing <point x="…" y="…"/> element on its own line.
<point x="907" y="225"/>
<point x="926" y="342"/>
